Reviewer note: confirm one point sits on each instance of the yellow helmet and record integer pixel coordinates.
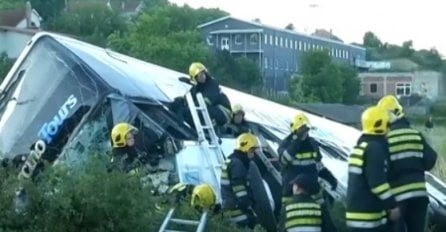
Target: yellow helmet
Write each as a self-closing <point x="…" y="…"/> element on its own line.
<point x="237" y="108"/>
<point x="247" y="142"/>
<point x="194" y="69"/>
<point x="375" y="121"/>
<point x="119" y="134"/>
<point x="203" y="197"/>
<point x="391" y="104"/>
<point x="299" y="120"/>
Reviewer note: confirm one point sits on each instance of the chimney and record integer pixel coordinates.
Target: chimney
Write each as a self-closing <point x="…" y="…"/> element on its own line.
<point x="28" y="12"/>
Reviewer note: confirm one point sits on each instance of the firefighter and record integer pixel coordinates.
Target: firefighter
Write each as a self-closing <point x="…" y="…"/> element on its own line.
<point x="124" y="154"/>
<point x="410" y="157"/>
<point x="218" y="104"/>
<point x="236" y="196"/>
<point x="303" y="213"/>
<point x="369" y="198"/>
<point x="202" y="197"/>
<point x="238" y="125"/>
<point x="299" y="154"/>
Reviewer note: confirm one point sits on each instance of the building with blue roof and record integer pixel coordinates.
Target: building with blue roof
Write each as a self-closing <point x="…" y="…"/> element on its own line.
<point x="278" y="52"/>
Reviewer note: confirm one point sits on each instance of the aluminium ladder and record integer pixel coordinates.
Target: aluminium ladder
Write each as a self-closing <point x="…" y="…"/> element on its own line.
<point x="211" y="147"/>
<point x="169" y="218"/>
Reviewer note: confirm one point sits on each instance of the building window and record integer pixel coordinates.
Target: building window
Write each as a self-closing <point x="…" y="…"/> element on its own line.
<point x="277" y="64"/>
<point x="281" y="42"/>
<point x="266" y="62"/>
<point x="266" y="39"/>
<point x="277" y="41"/>
<point x="300" y="45"/>
<point x="403" y="89"/>
<point x="270" y="40"/>
<point x="253" y="39"/>
<point x="291" y="44"/>
<point x="286" y="66"/>
<point x="373" y="88"/>
<point x="238" y="39"/>
<point x="314" y="46"/>
<point x="286" y="42"/>
<point x="346" y="55"/>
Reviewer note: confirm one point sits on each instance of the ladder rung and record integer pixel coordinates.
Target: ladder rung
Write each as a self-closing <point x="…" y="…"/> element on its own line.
<point x="185" y="222"/>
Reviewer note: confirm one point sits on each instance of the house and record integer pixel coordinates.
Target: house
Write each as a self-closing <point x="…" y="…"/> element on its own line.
<point x="13" y="40"/>
<point x="402" y="84"/>
<point x="22" y="18"/>
<point x="278" y="52"/>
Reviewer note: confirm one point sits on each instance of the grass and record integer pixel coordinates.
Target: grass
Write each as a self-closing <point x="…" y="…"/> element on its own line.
<point x="437" y="140"/>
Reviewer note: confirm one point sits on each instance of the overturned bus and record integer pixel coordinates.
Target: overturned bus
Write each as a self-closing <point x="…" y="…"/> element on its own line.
<point x="69" y="94"/>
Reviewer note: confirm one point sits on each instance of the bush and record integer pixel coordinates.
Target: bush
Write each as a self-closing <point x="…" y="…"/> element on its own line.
<point x="93" y="200"/>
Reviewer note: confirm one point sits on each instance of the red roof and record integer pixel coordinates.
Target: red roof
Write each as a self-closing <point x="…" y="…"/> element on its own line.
<point x="12" y="17"/>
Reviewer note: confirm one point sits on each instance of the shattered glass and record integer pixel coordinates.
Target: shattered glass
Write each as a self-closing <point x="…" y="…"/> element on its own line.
<point x="50" y="87"/>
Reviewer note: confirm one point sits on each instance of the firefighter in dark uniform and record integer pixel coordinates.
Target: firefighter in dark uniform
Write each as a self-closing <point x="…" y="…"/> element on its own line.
<point x="303" y="213"/>
<point x="238" y="125"/>
<point x="125" y="157"/>
<point x="237" y="198"/>
<point x="370" y="202"/>
<point x="299" y="154"/>
<point x="410" y="157"/>
<point x="218" y="104"/>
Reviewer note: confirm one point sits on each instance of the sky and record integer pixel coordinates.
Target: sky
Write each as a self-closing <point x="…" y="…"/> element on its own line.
<point x="393" y="21"/>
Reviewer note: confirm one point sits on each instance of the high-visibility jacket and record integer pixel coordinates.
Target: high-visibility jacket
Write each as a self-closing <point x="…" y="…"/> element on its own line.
<point x="368" y="192"/>
<point x="302" y="157"/>
<point x="303" y="214"/>
<point x="236" y="196"/>
<point x="410" y="157"/>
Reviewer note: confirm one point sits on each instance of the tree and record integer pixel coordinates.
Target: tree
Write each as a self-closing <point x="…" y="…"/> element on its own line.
<point x="92" y="23"/>
<point x="48" y="9"/>
<point x="11" y="4"/>
<point x="64" y="199"/>
<point x="239" y="73"/>
<point x="321" y="80"/>
<point x="407" y="49"/>
<point x="371" y="40"/>
<point x="290" y="26"/>
<point x="350" y="84"/>
<point x="167" y="36"/>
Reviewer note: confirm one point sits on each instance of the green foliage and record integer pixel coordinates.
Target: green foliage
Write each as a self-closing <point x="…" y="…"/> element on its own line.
<point x="240" y="73"/>
<point x="93" y="200"/>
<point x="5" y="65"/>
<point x="166" y="36"/>
<point x="10" y="4"/>
<point x="92" y="23"/>
<point x="350" y="84"/>
<point x="321" y="80"/>
<point x="371" y="40"/>
<point x="377" y="50"/>
<point x="48" y="9"/>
